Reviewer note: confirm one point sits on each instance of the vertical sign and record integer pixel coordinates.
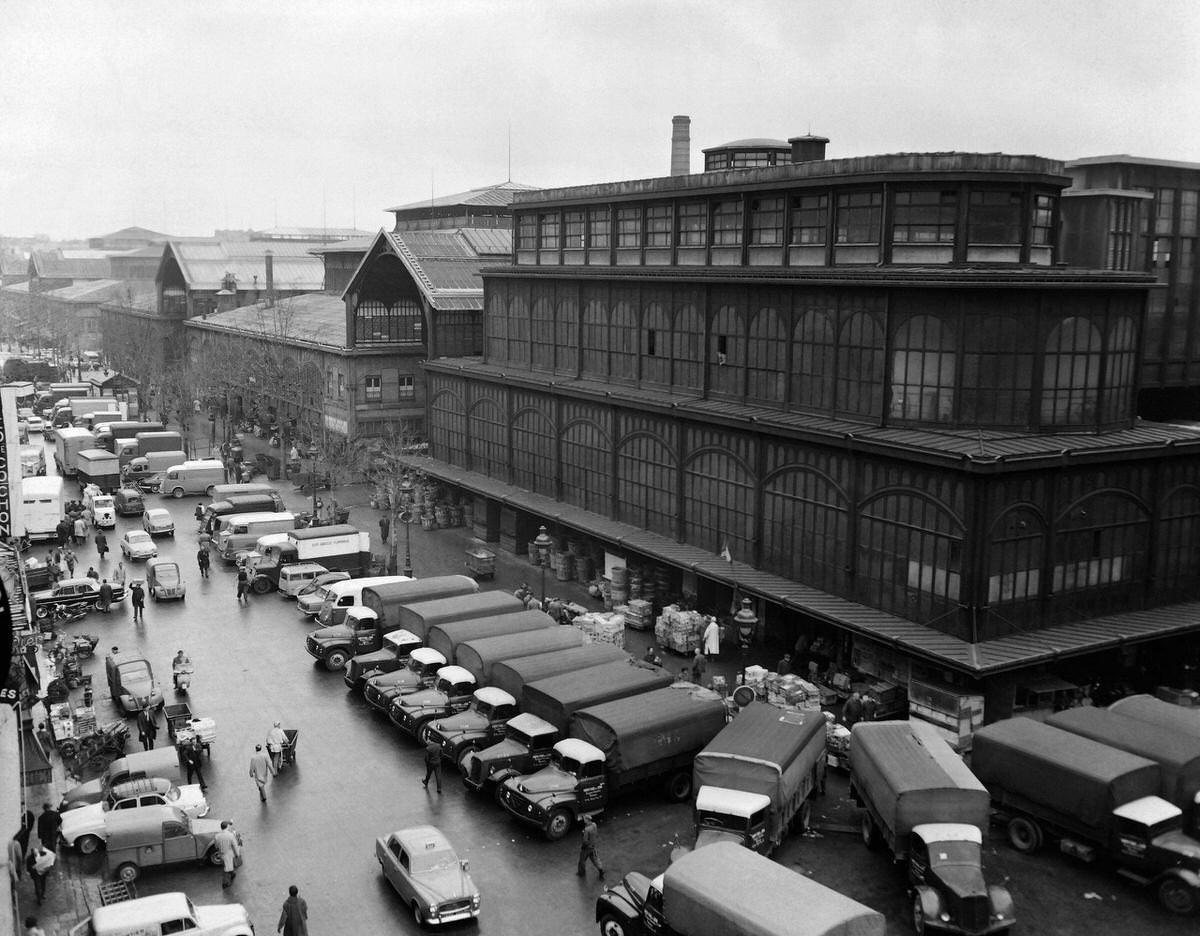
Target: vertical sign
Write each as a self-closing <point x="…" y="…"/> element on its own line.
<point x="8" y="437"/>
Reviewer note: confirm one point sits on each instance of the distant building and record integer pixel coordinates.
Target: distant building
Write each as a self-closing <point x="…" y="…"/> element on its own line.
<point x="130" y="238"/>
<point x="488" y="206"/>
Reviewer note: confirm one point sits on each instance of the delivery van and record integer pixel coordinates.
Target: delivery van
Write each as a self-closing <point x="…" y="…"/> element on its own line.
<point x="41" y="506"/>
<point x="329" y="604"/>
<point x="193" y="477"/>
<point x="241" y="531"/>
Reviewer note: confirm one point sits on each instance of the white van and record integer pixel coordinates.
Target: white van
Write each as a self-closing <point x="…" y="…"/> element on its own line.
<point x="165" y="913"/>
<point x="294" y="577"/>
<point x="41" y="507"/>
<point x="193" y="477"/>
<point x="241" y="531"/>
<point x="339" y="596"/>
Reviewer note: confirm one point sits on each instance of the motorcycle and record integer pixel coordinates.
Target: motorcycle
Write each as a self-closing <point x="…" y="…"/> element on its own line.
<point x="62" y="615"/>
<point x="183" y="679"/>
<point x="83" y="645"/>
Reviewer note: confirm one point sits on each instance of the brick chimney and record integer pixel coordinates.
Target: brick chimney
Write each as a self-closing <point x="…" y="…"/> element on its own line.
<point x="681" y="145"/>
<point x="270" y="258"/>
<point x="808" y="148"/>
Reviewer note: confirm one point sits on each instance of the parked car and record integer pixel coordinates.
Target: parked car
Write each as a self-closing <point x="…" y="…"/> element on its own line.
<point x="72" y="594"/>
<point x="129" y="502"/>
<point x="84" y="828"/>
<point x="157" y="835"/>
<point x="131" y="682"/>
<point x="138" y="544"/>
<point x="35" y="423"/>
<point x="157" y="522"/>
<point x="164" y="580"/>
<point x="428" y="875"/>
<point x="166" y="913"/>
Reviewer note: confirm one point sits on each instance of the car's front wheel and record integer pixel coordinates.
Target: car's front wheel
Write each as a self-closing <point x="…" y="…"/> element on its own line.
<point x="89" y="844"/>
<point x="418" y="917"/>
<point x="128" y="872"/>
<point x="611" y="926"/>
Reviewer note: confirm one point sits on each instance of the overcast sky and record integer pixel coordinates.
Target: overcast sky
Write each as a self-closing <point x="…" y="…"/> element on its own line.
<point x="188" y="116"/>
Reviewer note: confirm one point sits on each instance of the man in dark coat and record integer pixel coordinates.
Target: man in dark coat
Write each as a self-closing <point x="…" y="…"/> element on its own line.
<point x="293" y="921"/>
<point x="48" y="824"/>
<point x="147" y="728"/>
<point x="137" y="598"/>
<point x="192" y="751"/>
<point x="433" y="765"/>
<point x="106" y="596"/>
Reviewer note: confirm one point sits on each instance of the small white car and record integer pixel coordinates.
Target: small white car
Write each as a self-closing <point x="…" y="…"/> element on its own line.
<point x="157" y="522"/>
<point x="35" y="423"/>
<point x="421" y="864"/>
<point x="138" y="544"/>
<point x="84" y="828"/>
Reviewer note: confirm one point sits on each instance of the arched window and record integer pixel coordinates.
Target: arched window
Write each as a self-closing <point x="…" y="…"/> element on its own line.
<point x="814" y="358"/>
<point x="860" y="367"/>
<point x="924" y="366"/>
<point x="766" y="358"/>
<point x="997" y="374"/>
<point x="687" y="348"/>
<point x="1071" y="374"/>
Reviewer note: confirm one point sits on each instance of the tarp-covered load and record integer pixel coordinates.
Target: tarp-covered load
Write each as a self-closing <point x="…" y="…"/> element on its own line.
<point x="446" y="637"/>
<point x="480" y="656"/>
<point x="557" y="697"/>
<point x="512" y="675"/>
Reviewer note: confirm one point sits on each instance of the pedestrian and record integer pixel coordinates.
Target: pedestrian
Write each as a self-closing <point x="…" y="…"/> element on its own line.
<point x="870" y="705"/>
<point x="433" y="765"/>
<point x="293" y="921"/>
<point x="243" y="584"/>
<point x="52" y="568"/>
<point x="230" y="851"/>
<point x="147" y="728"/>
<point x="69" y="557"/>
<point x="40" y="862"/>
<point x="784" y="665"/>
<point x="16" y="860"/>
<point x="45" y="739"/>
<point x="852" y="711"/>
<point x="48" y="824"/>
<point x="89" y="518"/>
<point x="192" y="751"/>
<point x="276" y="739"/>
<point x="119" y="575"/>
<point x="385" y="526"/>
<point x="800" y="653"/>
<point x="699" y="665"/>
<point x="106" y="596"/>
<point x="237" y="471"/>
<point x="27" y="825"/>
<point x="80" y="531"/>
<point x="587" y="847"/>
<point x="63" y="531"/>
<point x="712" y="638"/>
<point x="101" y="544"/>
<point x="260" y="770"/>
<point x="203" y="559"/>
<point x="93" y="574"/>
<point x="137" y="597"/>
<point x="32" y="928"/>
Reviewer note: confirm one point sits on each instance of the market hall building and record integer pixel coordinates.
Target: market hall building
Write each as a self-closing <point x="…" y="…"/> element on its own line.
<point x="870" y="383"/>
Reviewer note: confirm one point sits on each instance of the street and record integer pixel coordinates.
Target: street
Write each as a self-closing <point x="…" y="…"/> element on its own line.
<point x="356" y="778"/>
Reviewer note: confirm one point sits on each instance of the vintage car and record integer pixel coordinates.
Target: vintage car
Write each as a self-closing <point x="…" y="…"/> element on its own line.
<point x="104" y="509"/>
<point x="84" y="828"/>
<point x="35" y="423"/>
<point x="71" y="595"/>
<point x="157" y="835"/>
<point x="138" y="544"/>
<point x="325" y="578"/>
<point x="129" y="501"/>
<point x="157" y="522"/>
<point x="166" y="913"/>
<point x="430" y="878"/>
<point x="131" y="682"/>
<point x="165" y="580"/>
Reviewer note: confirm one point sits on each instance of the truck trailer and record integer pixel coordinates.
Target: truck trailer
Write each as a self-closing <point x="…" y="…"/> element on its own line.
<point x="556" y="698"/>
<point x="68" y="443"/>
<point x="339" y="548"/>
<point x="481" y="655"/>
<point x="98" y="467"/>
<point x="512" y="675"/>
<point x="447" y="636"/>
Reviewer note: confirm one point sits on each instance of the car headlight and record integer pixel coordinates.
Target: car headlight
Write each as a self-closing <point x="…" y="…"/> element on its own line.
<point x="475" y="902"/>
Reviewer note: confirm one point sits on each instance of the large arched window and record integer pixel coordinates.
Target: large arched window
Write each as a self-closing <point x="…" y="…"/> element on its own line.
<point x="766" y="358"/>
<point x="860" y="367"/>
<point x="687" y="348"/>
<point x="542" y="330"/>
<point x="814" y="359"/>
<point x="656" y="345"/>
<point x="924" y="366"/>
<point x="1071" y="374"/>
<point x="595" y="339"/>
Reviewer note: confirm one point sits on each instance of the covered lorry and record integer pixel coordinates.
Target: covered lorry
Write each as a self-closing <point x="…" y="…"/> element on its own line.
<point x="481" y="655"/>
<point x="923" y="802"/>
<point x="556" y="698"/>
<point x="42" y="507"/>
<point x="68" y="443"/>
<point x="341" y="547"/>
<point x="1148" y="708"/>
<point x="511" y="675"/>
<point x="726" y="890"/>
<point x="1094" y="800"/>
<point x="446" y="637"/>
<point x="480" y="724"/>
<point x="452" y="691"/>
<point x="526" y="747"/>
<point x="650" y="736"/>
<point x="418" y="617"/>
<point x="97" y="467"/>
<point x="757" y="775"/>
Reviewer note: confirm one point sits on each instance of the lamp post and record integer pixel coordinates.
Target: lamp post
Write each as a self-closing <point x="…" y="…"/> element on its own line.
<point x="312" y="474"/>
<point x="406" y="491"/>
<point x="543" y="542"/>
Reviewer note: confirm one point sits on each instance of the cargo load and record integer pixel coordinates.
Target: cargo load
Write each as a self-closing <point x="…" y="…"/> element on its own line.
<point x="512" y="675"/>
<point x="445" y="638"/>
<point x="556" y="698"/>
<point x="418" y="618"/>
<point x="480" y="656"/>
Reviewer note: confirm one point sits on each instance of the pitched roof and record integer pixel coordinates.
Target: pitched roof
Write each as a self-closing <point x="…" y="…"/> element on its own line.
<point x="499" y="195"/>
<point x="135" y="233"/>
<point x="205" y="263"/>
<point x="313" y="318"/>
<point x="57" y="263"/>
<point x="88" y="291"/>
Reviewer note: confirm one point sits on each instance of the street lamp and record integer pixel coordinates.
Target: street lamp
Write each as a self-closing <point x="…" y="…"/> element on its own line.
<point x="542" y="542"/>
<point x="406" y="492"/>
<point x="312" y="474"/>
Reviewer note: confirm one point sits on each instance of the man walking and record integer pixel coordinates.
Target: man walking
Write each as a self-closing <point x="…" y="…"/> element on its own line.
<point x="101" y="544"/>
<point x="587" y="847"/>
<point x="80" y="530"/>
<point x="137" y="597"/>
<point x="276" y="739"/>
<point x="192" y="751"/>
<point x="106" y="596"/>
<point x="293" y="921"/>
<point x="202" y="560"/>
<point x="147" y="728"/>
<point x="230" y="851"/>
<point x="48" y="824"/>
<point x="699" y="665"/>
<point x="433" y="765"/>
<point x="243" y="584"/>
<point x="69" y="557"/>
<point x="260" y="770"/>
<point x="40" y="863"/>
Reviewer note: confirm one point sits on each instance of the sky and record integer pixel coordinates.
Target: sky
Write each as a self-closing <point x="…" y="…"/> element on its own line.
<point x="185" y="117"/>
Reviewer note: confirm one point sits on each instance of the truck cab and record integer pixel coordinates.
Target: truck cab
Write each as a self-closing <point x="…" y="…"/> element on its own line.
<point x="633" y="906"/>
<point x="527" y="746"/>
<point x="724" y="815"/>
<point x="103" y="507"/>
<point x="394" y="655"/>
<point x="1152" y="849"/>
<point x="358" y="633"/>
<point x="573" y="784"/>
<point x="480" y="724"/>
<point x="452" y="692"/>
<point x="420" y="673"/>
<point x="945" y="875"/>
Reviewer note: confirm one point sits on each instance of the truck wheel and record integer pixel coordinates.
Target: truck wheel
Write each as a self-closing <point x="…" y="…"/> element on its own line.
<point x="611" y="926"/>
<point x="261" y="585"/>
<point x="679" y="787"/>
<point x="1024" y="835"/>
<point x="128" y="872"/>
<point x="918" y="916"/>
<point x="336" y="660"/>
<point x="559" y="824"/>
<point x="89" y="845"/>
<point x="870" y="831"/>
<point x="1177" y="897"/>
<point x="214" y="858"/>
<point x="177" y="493"/>
<point x="41" y="612"/>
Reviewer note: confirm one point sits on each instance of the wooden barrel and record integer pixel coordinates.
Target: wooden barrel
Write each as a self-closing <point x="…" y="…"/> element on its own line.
<point x="566" y="567"/>
<point x="428" y="521"/>
<point x="620" y="577"/>
<point x="584" y="569"/>
<point x="442" y="515"/>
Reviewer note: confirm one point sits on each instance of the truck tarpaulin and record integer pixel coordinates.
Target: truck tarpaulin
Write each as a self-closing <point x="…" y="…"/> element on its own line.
<point x="1177" y="754"/>
<point x="555" y="698"/>
<point x="724" y="889"/>
<point x="446" y="638"/>
<point x="1074" y="776"/>
<point x="480" y="656"/>
<point x="648" y="727"/>
<point x="1147" y="708"/>
<point x="418" y="618"/>
<point x="912" y="775"/>
<point x="512" y="675"/>
<point x="386" y="600"/>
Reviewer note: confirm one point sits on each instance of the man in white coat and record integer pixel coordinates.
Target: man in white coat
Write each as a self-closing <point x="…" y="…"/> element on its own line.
<point x="712" y="638"/>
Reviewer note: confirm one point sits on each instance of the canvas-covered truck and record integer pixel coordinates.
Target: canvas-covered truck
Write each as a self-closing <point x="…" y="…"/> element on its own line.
<point x="334" y="645"/>
<point x="921" y="801"/>
<point x="68" y="443"/>
<point x="419" y="673"/>
<point x="512" y="675"/>
<point x="341" y="547"/>
<point x="526" y="747"/>
<point x="1148" y="708"/>
<point x="758" y="775"/>
<point x="1177" y="753"/>
<point x="478" y="725"/>
<point x="419" y="617"/>
<point x="448" y="636"/>
<point x="1095" y="801"/>
<point x="652" y="736"/>
<point x="452" y="691"/>
<point x="97" y="467"/>
<point x="556" y="698"/>
<point x="481" y="655"/>
<point x="724" y="889"/>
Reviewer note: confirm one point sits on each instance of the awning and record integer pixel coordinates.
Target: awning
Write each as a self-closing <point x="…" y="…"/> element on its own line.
<point x="1016" y="651"/>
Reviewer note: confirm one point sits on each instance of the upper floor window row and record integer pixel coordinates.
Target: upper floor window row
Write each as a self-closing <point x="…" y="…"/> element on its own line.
<point x="912" y="217"/>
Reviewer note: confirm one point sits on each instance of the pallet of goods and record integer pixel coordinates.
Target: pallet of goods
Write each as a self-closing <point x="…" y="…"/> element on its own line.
<point x="602" y="627"/>
<point x="791" y="691"/>
<point x="639" y="614"/>
<point x="679" y="631"/>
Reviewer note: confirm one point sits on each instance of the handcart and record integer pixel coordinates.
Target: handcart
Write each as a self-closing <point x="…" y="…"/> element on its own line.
<point x="191" y="728"/>
<point x="177" y="716"/>
<point x="287" y="754"/>
<point x="481" y="562"/>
